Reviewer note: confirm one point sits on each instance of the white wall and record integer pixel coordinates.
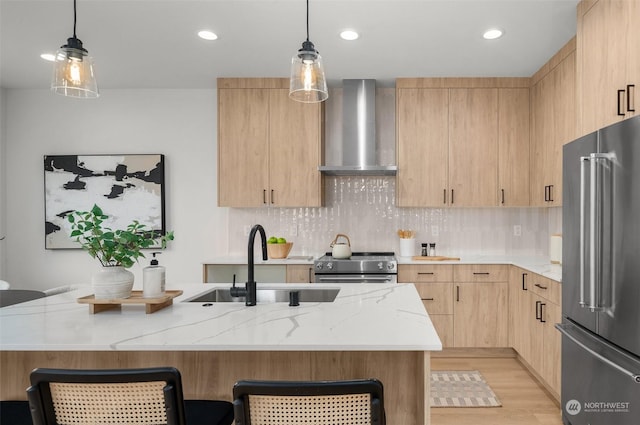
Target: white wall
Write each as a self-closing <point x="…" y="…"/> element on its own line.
<point x="181" y="124"/>
<point x="3" y="190"/>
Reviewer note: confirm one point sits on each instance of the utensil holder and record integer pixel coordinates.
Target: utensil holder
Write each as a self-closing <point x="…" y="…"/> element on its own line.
<point x="407" y="247"/>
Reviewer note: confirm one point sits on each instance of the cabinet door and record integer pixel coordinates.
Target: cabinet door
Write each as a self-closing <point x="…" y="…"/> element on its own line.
<point x="300" y="273"/>
<point x="480" y="314"/>
<point x="513" y="147"/>
<point x="243" y="157"/>
<point x="603" y="49"/>
<point x="422" y="141"/>
<point x="543" y="163"/>
<point x="551" y="363"/>
<point x="633" y="57"/>
<point x="473" y="147"/>
<point x="295" y="133"/>
<point x="443" y="323"/>
<point x="519" y="311"/>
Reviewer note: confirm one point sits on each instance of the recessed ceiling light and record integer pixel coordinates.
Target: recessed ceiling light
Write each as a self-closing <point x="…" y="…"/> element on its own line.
<point x="48" y="57"/>
<point x="349" y="35"/>
<point x="207" y="35"/>
<point x="493" y="33"/>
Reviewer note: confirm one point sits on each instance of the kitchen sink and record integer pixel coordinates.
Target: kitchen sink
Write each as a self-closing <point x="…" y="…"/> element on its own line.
<point x="266" y="295"/>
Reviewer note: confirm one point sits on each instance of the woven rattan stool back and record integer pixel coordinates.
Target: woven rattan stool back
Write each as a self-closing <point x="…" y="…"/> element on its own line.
<point x="106" y="397"/>
<point x="355" y="402"/>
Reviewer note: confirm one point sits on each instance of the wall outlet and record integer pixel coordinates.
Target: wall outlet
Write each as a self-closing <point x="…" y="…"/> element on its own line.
<point x="435" y="231"/>
<point x="517" y="230"/>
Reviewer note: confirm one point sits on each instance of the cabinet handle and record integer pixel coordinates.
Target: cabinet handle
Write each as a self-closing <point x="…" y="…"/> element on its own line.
<point x="502" y="190"/>
<point x="457" y="293"/>
<point x="540" y="286"/>
<point x="444" y="196"/>
<point x="630" y="108"/>
<point x="481" y="273"/>
<point x="538" y="315"/>
<point x="542" y="313"/>
<point x="451" y="196"/>
<point x="546" y="194"/>
<point x="272" y="197"/>
<point x="524" y="283"/>
<point x="264" y="196"/>
<point x="310" y="271"/>
<point x="550" y="193"/>
<point x="429" y="273"/>
<point x="620" y="111"/>
<point x="428" y="299"/>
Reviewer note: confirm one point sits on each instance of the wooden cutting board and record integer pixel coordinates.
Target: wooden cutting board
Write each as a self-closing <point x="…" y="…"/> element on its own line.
<point x="434" y="258"/>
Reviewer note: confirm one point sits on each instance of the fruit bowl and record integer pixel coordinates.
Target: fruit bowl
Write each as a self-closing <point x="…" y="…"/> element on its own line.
<point x="279" y="250"/>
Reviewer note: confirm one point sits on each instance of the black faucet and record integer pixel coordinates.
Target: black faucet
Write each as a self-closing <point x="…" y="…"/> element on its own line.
<point x="249" y="290"/>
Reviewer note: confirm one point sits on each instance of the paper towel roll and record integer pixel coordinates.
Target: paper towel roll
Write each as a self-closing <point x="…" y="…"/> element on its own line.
<point x="555" y="249"/>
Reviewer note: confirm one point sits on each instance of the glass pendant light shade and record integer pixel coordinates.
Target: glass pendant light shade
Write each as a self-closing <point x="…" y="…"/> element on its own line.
<point x="73" y="72"/>
<point x="307" y="82"/>
<point x="73" y="69"/>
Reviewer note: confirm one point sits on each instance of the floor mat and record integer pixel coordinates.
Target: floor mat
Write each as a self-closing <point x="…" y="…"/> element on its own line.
<point x="461" y="388"/>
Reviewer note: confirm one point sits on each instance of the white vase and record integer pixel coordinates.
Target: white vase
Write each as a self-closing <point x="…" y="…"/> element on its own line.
<point x="112" y="282"/>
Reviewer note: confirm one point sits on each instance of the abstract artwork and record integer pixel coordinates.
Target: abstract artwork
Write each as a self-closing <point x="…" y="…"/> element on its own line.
<point x="125" y="187"/>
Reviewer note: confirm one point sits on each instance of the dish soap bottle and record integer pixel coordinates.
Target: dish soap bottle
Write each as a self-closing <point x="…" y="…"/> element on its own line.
<point x="153" y="279"/>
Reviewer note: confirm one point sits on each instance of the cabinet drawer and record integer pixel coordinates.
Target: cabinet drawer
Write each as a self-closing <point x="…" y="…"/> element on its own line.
<point x="480" y="273"/>
<point x="437" y="297"/>
<point x="545" y="287"/>
<point x="412" y="273"/>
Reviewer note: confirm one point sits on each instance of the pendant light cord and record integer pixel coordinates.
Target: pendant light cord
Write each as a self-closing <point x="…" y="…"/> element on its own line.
<point x="74" y="18"/>
<point x="307" y="19"/>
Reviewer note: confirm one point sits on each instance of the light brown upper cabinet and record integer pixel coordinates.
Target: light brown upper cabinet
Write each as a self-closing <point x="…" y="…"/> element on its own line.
<point x="269" y="147"/>
<point x="422" y="146"/>
<point x="553" y="123"/>
<point x="609" y="62"/>
<point x="458" y="146"/>
<point x="513" y="147"/>
<point x="473" y="147"/>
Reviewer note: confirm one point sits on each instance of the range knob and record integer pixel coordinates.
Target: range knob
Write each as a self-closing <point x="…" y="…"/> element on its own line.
<point x="330" y="266"/>
<point x="319" y="266"/>
<point x="380" y="265"/>
<point x="390" y="266"/>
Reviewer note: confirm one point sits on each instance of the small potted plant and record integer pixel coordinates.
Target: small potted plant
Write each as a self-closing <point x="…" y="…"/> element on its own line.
<point x="116" y="250"/>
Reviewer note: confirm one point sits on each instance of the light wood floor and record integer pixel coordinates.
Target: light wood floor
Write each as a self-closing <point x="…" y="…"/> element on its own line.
<point x="523" y="401"/>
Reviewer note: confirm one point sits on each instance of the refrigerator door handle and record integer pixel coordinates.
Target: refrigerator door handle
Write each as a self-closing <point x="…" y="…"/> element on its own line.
<point x="567" y="330"/>
<point x="583" y="167"/>
<point x="595" y="228"/>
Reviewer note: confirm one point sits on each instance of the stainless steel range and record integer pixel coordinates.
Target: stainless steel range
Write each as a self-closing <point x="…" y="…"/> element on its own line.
<point x="362" y="267"/>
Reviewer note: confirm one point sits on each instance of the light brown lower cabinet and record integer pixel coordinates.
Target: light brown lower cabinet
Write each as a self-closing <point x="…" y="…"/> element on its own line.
<point x="300" y="273"/>
<point x="535" y="309"/>
<point x="477" y="305"/>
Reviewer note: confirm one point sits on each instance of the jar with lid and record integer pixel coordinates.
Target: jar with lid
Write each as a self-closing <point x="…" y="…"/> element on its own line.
<point x="425" y="249"/>
<point x="432" y="249"/>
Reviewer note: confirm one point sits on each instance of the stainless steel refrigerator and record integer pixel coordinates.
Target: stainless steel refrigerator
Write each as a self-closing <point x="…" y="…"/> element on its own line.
<point x="601" y="277"/>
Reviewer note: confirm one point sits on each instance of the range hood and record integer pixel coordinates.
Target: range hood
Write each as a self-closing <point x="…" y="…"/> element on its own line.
<point x="357" y="153"/>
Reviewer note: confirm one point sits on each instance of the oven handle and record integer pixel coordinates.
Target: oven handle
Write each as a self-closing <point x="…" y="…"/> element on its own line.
<point x="336" y="279"/>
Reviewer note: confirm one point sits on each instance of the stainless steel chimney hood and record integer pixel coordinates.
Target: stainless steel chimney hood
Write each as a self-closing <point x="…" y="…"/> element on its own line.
<point x="357" y="152"/>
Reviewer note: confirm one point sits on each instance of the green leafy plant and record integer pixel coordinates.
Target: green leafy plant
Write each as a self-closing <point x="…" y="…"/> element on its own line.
<point x="121" y="247"/>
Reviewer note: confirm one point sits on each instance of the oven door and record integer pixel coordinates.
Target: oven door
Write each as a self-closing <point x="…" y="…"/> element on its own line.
<point x="356" y="278"/>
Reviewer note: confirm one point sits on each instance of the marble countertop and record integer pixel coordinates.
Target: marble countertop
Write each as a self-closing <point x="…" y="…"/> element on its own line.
<point x="535" y="264"/>
<point x="363" y="317"/>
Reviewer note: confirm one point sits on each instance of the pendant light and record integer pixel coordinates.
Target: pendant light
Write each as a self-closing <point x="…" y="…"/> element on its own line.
<point x="307" y="82"/>
<point x="73" y="69"/>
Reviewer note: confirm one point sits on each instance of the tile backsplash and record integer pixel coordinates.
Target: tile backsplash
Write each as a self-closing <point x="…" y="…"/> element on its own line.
<point x="364" y="209"/>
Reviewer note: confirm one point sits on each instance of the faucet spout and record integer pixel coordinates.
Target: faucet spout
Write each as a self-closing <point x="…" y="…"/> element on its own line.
<point x="250" y="286"/>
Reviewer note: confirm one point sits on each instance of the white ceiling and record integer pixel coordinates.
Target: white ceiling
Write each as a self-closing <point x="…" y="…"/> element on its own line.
<point x="153" y="43"/>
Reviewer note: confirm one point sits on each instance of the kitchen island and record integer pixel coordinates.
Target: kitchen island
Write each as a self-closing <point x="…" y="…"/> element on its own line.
<point x="370" y="330"/>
